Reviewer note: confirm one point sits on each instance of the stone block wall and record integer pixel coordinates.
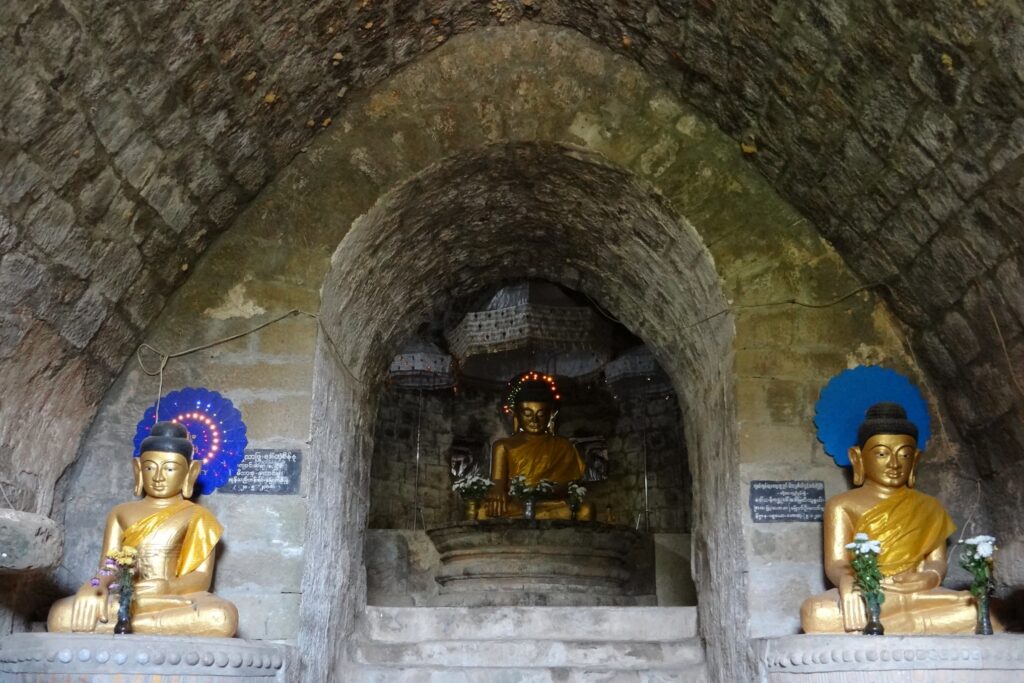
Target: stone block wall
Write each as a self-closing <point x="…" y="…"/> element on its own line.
<point x="393" y="476"/>
<point x="896" y="130"/>
<point x="124" y="153"/>
<point x="552" y="90"/>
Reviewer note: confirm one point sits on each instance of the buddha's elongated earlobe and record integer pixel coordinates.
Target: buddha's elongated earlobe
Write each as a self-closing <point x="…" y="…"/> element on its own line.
<point x="137" y="474"/>
<point x="188" y="487"/>
<point x="912" y="479"/>
<point x="858" y="465"/>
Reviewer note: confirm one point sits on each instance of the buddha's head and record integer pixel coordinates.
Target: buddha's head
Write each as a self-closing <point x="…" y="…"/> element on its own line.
<point x="164" y="467"/>
<point x="886" y="452"/>
<point x="534" y="407"/>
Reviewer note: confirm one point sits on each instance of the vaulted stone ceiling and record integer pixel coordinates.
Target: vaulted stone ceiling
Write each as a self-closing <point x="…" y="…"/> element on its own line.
<point x="132" y="133"/>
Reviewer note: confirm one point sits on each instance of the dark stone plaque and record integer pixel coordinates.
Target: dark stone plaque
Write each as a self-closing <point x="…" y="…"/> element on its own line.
<point x="267" y="470"/>
<point x="787" y="501"/>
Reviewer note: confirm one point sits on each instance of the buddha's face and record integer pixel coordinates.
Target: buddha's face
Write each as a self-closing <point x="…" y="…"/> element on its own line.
<point x="889" y="459"/>
<point x="164" y="475"/>
<point x="533" y="416"/>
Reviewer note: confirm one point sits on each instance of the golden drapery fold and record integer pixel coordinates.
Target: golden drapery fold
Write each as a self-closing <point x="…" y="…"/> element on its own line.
<point x="201" y="536"/>
<point x="546" y="457"/>
<point x="909" y="525"/>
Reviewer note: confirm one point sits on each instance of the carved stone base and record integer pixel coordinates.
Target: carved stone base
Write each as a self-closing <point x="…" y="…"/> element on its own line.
<point x="52" y="657"/>
<point x="506" y="562"/>
<point x="891" y="659"/>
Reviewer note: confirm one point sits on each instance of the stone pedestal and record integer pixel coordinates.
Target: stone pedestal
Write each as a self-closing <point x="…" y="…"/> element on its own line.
<point x="503" y="562"/>
<point x="52" y="657"/>
<point x="891" y="659"/>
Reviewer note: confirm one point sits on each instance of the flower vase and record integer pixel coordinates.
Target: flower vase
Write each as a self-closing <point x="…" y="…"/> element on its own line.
<point x="874" y="626"/>
<point x="573" y="514"/>
<point x="124" y="617"/>
<point x="529" y="512"/>
<point x="983" y="627"/>
<point x="472" y="510"/>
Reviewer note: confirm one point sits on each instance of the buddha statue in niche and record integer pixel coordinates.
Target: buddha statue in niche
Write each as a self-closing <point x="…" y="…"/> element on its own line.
<point x="534" y="452"/>
<point x="175" y="540"/>
<point x="912" y="528"/>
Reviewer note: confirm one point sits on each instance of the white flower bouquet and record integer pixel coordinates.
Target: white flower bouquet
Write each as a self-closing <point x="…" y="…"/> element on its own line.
<point x="864" y="554"/>
<point x="472" y="486"/>
<point x="577" y="492"/>
<point x="976" y="557"/>
<point x="518" y="488"/>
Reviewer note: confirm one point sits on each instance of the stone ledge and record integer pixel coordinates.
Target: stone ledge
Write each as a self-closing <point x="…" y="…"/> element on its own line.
<point x="29" y="542"/>
<point x="594" y="624"/>
<point x="904" y="658"/>
<point x="509" y="562"/>
<point x="55" y="656"/>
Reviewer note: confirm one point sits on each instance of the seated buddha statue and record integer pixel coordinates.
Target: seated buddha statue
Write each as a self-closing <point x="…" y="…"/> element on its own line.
<point x="534" y="453"/>
<point x="175" y="541"/>
<point x="912" y="528"/>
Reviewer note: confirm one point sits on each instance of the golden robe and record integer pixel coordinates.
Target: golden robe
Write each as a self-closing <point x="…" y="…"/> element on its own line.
<point x="909" y="525"/>
<point x="201" y="534"/>
<point x="546" y="457"/>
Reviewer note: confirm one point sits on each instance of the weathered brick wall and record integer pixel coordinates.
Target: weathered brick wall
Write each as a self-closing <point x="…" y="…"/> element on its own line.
<point x="126" y="148"/>
<point x="131" y="134"/>
<point x="609" y="168"/>
<point x="393" y="478"/>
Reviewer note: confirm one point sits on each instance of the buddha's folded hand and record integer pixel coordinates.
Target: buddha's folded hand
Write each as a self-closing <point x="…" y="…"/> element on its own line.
<point x="152" y="587"/>
<point x="855" y="616"/>
<point x="913" y="582"/>
<point x="90" y="606"/>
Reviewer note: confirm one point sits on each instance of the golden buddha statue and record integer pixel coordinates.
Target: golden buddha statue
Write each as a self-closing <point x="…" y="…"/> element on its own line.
<point x="912" y="528"/>
<point x="534" y="453"/>
<point x="175" y="541"/>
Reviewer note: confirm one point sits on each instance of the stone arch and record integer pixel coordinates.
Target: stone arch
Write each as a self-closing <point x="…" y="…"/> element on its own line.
<point x="897" y="131"/>
<point x="526" y="210"/>
<point x="550" y="89"/>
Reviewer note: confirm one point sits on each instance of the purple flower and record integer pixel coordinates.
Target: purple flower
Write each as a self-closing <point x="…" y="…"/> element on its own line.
<point x="94" y="582"/>
<point x="110" y="562"/>
<point x="115" y="586"/>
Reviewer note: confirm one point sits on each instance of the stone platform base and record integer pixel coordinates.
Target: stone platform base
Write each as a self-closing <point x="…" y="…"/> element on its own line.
<point x="509" y="562"/>
<point x="891" y="659"/>
<point x="52" y="657"/>
<point x="526" y="645"/>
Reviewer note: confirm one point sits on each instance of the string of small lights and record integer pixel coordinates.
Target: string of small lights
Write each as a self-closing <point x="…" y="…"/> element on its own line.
<point x="516" y="385"/>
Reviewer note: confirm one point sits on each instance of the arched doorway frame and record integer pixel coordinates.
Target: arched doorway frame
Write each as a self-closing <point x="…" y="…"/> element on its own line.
<point x="628" y="250"/>
<point x="546" y="85"/>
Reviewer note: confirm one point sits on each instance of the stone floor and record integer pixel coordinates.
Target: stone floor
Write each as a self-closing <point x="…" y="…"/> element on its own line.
<point x="528" y="645"/>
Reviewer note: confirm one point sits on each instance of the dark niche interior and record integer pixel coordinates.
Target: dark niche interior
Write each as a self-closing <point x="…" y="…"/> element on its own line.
<point x="627" y="424"/>
<point x="458" y="427"/>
